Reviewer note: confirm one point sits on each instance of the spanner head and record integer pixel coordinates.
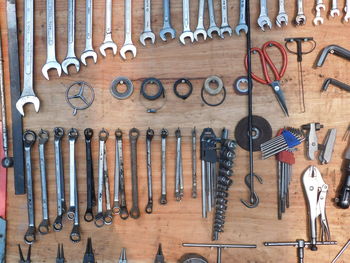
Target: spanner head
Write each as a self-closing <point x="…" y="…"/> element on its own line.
<point x="318" y="20"/>
<point x="27" y="99"/>
<point x="108" y="45"/>
<point x="185" y="35"/>
<point x="51" y="65"/>
<point x="68" y="62"/>
<point x="88" y="54"/>
<point x="198" y="32"/>
<point x="212" y="30"/>
<point x="167" y="31"/>
<point x="264" y="21"/>
<point x="225" y="30"/>
<point x="334" y="12"/>
<point x="147" y="35"/>
<point x="282" y="19"/>
<point x="300" y="20"/>
<point x="128" y="48"/>
<point x="241" y="27"/>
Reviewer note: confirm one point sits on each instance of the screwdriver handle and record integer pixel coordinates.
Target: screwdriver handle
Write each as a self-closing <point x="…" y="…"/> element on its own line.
<point x="344" y="195"/>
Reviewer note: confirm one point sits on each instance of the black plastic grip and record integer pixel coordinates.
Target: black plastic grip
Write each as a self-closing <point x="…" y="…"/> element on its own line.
<point x="343" y="199"/>
<point x="336" y="83"/>
<point x="333" y="49"/>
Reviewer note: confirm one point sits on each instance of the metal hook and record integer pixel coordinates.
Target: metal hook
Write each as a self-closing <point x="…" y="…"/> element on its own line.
<point x="254" y="199"/>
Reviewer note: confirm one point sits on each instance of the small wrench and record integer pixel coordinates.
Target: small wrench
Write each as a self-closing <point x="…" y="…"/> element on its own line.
<point x="29" y="138"/>
<point x="149" y="137"/>
<point x="194" y="163"/>
<point x="89" y="50"/>
<point x="51" y="61"/>
<point x="164" y="134"/>
<point x="242" y="26"/>
<point x="167" y="27"/>
<point x="282" y="17"/>
<point x="90" y="186"/>
<point x="347" y="11"/>
<point x="44" y="226"/>
<point x="213" y="28"/>
<point x="200" y="30"/>
<point x="264" y="19"/>
<point x="147" y="31"/>
<point x="186" y="33"/>
<point x="28" y="95"/>
<point x="108" y="215"/>
<point x="225" y="27"/>
<point x="334" y="10"/>
<point x="117" y="171"/>
<point x="71" y="58"/>
<point x="319" y="6"/>
<point x="128" y="45"/>
<point x="300" y="19"/>
<point x="133" y="136"/>
<point x="179" y="185"/>
<point x="108" y="42"/>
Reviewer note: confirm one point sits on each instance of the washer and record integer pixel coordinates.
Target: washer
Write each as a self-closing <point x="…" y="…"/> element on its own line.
<point x="189" y="85"/>
<point x="237" y="85"/>
<point x="159" y="84"/>
<point x="216" y="80"/>
<point x="120" y="81"/>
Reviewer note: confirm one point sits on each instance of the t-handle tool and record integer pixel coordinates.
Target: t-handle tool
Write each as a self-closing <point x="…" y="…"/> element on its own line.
<point x="343" y="200"/>
<point x="159" y="256"/>
<point x="89" y="256"/>
<point x="299" y="52"/>
<point x="21" y="257"/>
<point x="60" y="254"/>
<point x="332" y="49"/>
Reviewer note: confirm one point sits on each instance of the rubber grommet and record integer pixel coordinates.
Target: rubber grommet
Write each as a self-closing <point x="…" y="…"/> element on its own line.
<point x="189" y="85"/>
<point x="122" y="95"/>
<point x="159" y="84"/>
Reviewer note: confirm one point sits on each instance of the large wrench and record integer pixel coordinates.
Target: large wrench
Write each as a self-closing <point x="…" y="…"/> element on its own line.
<point x="147" y="31"/>
<point x="89" y="50"/>
<point x="186" y="32"/>
<point x="128" y="45"/>
<point x="90" y="186"/>
<point x="167" y="27"/>
<point x="108" y="41"/>
<point x="225" y="27"/>
<point x="242" y="26"/>
<point x="264" y="19"/>
<point x="44" y="226"/>
<point x="334" y="10"/>
<point x="282" y="17"/>
<point x="179" y="184"/>
<point x="164" y="135"/>
<point x="149" y="137"/>
<point x="117" y="171"/>
<point x="300" y="19"/>
<point x="28" y="95"/>
<point x="213" y="28"/>
<point x="60" y="193"/>
<point x="29" y="138"/>
<point x="347" y="11"/>
<point x="71" y="58"/>
<point x="200" y="30"/>
<point x="51" y="61"/>
<point x="133" y="136"/>
<point x="319" y="7"/>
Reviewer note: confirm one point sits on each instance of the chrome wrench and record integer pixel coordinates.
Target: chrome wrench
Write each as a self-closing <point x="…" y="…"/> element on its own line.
<point x="167" y="27"/>
<point x="200" y="30"/>
<point x="147" y="31"/>
<point x="347" y="11"/>
<point x="164" y="135"/>
<point x="128" y="45"/>
<point x="72" y="137"/>
<point x="179" y="186"/>
<point x="334" y="10"/>
<point x="133" y="136"/>
<point x="28" y="95"/>
<point x="194" y="163"/>
<point x="282" y="17"/>
<point x="89" y="50"/>
<point x="264" y="19"/>
<point x="300" y="19"/>
<point x="213" y="28"/>
<point x="51" y="61"/>
<point x="108" y="42"/>
<point x="318" y="18"/>
<point x="107" y="217"/>
<point x="117" y="171"/>
<point x="242" y="26"/>
<point x="186" y="32"/>
<point x="149" y="137"/>
<point x="225" y="27"/>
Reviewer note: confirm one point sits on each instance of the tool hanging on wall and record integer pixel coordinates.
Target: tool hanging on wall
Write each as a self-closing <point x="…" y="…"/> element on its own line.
<point x="299" y="52"/>
<point x="337" y="83"/>
<point x="122" y="257"/>
<point x="60" y="254"/>
<point x="332" y="49"/>
<point x="3" y="195"/>
<point x="89" y="256"/>
<point x="159" y="256"/>
<point x="29" y="254"/>
<point x="343" y="199"/>
<point x="341" y="252"/>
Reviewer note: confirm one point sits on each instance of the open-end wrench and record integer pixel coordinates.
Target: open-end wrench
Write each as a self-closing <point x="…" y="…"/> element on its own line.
<point x="123" y="210"/>
<point x="242" y="26"/>
<point x="149" y="137"/>
<point x="213" y="28"/>
<point x="179" y="185"/>
<point x="186" y="32"/>
<point x="167" y="27"/>
<point x="318" y="20"/>
<point x="282" y="17"/>
<point x="200" y="30"/>
<point x="44" y="226"/>
<point x="225" y="27"/>
<point x="72" y="137"/>
<point x="147" y="30"/>
<point x="51" y="61"/>
<point x="29" y="138"/>
<point x="71" y="58"/>
<point x="90" y="186"/>
<point x="347" y="11"/>
<point x="264" y="19"/>
<point x="133" y="136"/>
<point x="60" y="193"/>
<point x="108" y="42"/>
<point x="164" y="134"/>
<point x="128" y="45"/>
<point x="300" y="18"/>
<point x="89" y="50"/>
<point x="334" y="10"/>
<point x="194" y="163"/>
<point x="28" y="95"/>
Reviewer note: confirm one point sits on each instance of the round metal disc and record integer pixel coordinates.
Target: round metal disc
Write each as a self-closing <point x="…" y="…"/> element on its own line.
<point x="120" y="81"/>
<point x="262" y="132"/>
<point x="192" y="258"/>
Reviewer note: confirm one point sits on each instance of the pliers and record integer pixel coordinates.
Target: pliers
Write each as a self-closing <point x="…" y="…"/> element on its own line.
<point x="122" y="258"/>
<point x="159" y="256"/>
<point x="60" y="254"/>
<point x="89" y="256"/>
<point x="21" y="257"/>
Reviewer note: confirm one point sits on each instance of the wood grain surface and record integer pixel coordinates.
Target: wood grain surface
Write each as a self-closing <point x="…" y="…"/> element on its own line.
<point x="179" y="222"/>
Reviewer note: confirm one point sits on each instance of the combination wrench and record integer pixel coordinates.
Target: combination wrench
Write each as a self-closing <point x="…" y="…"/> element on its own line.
<point x="225" y="27"/>
<point x="186" y="32"/>
<point x="149" y="137"/>
<point x="194" y="163"/>
<point x="147" y="31"/>
<point x="119" y="206"/>
<point x="71" y="58"/>
<point x="59" y="172"/>
<point x="300" y="18"/>
<point x="51" y="61"/>
<point x="108" y="42"/>
<point x="213" y="28"/>
<point x="44" y="226"/>
<point x="318" y="20"/>
<point x="28" y="95"/>
<point x="334" y="10"/>
<point x="29" y="138"/>
<point x="264" y="19"/>
<point x="164" y="134"/>
<point x="282" y="17"/>
<point x="347" y="11"/>
<point x="133" y="137"/>
<point x="128" y="45"/>
<point x="242" y="26"/>
<point x="89" y="50"/>
<point x="179" y="183"/>
<point x="167" y="27"/>
<point x="90" y="186"/>
<point x="200" y="30"/>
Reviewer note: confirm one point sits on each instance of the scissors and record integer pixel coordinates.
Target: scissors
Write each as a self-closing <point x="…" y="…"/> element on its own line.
<point x="267" y="62"/>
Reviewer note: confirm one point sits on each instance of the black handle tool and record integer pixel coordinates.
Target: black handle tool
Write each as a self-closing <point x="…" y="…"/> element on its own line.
<point x="332" y="49"/>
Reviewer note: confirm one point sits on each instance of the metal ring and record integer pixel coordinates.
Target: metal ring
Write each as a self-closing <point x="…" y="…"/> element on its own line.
<point x="159" y="84"/>
<point x="237" y="85"/>
<point x="120" y="81"/>
<point x="216" y="104"/>
<point x="189" y="85"/>
<point x="80" y="95"/>
<point x="215" y="79"/>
